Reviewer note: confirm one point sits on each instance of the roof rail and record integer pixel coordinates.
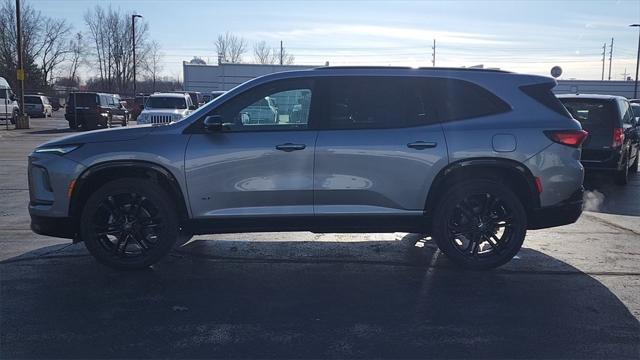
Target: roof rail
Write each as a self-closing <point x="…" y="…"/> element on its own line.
<point x="408" y="68"/>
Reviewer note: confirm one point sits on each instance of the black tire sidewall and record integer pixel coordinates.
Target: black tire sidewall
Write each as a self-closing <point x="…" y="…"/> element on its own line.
<point x="445" y="209"/>
<point x="158" y="197"/>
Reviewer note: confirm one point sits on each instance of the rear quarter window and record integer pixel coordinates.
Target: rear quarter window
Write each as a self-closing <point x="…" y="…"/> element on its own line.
<point x="456" y="99"/>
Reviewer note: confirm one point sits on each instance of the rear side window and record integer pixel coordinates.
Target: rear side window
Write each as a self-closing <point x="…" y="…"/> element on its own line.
<point x="542" y="93"/>
<point x="32" y="100"/>
<point x="372" y="103"/>
<point x="84" y="100"/>
<point x="625" y="111"/>
<point x="457" y="99"/>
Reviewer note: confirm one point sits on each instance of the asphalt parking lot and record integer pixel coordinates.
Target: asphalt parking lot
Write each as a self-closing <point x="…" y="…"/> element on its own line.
<point x="572" y="291"/>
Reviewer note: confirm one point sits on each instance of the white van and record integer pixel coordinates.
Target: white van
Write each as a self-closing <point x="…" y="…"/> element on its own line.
<point x="8" y="105"/>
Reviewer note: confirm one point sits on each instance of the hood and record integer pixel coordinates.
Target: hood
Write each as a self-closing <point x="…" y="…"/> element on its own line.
<point x="105" y="135"/>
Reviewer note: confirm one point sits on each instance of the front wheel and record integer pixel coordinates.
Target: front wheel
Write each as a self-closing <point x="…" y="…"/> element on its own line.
<point x="480" y="224"/>
<point x="14" y="117"/>
<point x="129" y="224"/>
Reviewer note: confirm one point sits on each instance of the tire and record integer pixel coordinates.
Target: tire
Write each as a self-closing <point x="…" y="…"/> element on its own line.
<point x="14" y="117"/>
<point x="621" y="177"/>
<point x="634" y="167"/>
<point x="129" y="224"/>
<point x="490" y="222"/>
<point x="125" y="121"/>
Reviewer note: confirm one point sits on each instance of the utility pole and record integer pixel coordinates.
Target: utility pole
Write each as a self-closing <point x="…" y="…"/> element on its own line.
<point x="604" y="51"/>
<point x="433" y="54"/>
<point x="133" y="38"/>
<point x="635" y="84"/>
<point x="22" y="122"/>
<point x="625" y="74"/>
<point x="281" y="53"/>
<point x="610" y="57"/>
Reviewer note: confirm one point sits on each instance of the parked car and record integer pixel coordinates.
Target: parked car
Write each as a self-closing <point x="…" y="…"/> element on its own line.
<point x="9" y="107"/>
<point x="163" y="108"/>
<point x="55" y="102"/>
<point x="37" y="106"/>
<point x="635" y="108"/>
<point x="91" y="110"/>
<point x="474" y="158"/>
<point x="215" y="94"/>
<point x="196" y="97"/>
<point x="613" y="141"/>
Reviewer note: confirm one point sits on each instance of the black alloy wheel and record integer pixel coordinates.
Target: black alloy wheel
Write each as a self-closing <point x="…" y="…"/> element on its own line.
<point x="129" y="224"/>
<point x="480" y="224"/>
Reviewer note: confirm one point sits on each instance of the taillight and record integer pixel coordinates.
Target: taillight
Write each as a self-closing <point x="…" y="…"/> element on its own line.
<point x="618" y="137"/>
<point x="573" y="138"/>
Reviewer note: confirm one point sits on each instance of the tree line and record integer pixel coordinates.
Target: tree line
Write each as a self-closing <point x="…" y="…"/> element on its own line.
<point x="56" y="54"/>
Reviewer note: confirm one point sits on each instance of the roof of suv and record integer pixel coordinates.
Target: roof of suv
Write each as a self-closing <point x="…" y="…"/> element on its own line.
<point x="407" y="68"/>
<point x="589" y="96"/>
<point x="174" y="95"/>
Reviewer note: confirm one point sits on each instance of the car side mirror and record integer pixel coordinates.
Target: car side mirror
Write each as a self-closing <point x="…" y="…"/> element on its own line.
<point x="192" y="107"/>
<point x="636" y="121"/>
<point x="213" y="123"/>
<point x="12" y="97"/>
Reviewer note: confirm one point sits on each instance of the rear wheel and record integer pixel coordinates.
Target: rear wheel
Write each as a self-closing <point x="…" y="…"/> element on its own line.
<point x="621" y="177"/>
<point x="129" y="224"/>
<point x="634" y="166"/>
<point x="480" y="224"/>
<point x="14" y="117"/>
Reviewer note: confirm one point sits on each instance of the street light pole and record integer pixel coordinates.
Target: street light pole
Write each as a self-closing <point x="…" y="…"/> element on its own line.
<point x="133" y="37"/>
<point x="635" y="85"/>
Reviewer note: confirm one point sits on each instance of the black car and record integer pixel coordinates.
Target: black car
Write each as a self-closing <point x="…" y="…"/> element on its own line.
<point x="90" y="110"/>
<point x="614" y="133"/>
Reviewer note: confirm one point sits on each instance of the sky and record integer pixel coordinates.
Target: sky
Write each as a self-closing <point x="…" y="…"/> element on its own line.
<point x="522" y="36"/>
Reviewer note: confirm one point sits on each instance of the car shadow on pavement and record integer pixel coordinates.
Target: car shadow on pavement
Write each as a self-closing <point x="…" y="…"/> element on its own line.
<point x="278" y="299"/>
<point x="51" y="131"/>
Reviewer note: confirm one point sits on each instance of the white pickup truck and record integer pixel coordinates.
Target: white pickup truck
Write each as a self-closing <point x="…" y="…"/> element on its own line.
<point x="9" y="108"/>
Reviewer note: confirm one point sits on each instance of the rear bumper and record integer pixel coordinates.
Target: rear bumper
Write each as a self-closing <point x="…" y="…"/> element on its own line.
<point x="564" y="213"/>
<point x="612" y="163"/>
<point x="61" y="227"/>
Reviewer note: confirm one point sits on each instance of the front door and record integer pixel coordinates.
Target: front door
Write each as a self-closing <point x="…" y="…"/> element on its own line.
<point x="255" y="167"/>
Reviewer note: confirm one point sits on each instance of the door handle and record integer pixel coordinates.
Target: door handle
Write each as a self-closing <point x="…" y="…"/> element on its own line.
<point x="288" y="147"/>
<point x="420" y="145"/>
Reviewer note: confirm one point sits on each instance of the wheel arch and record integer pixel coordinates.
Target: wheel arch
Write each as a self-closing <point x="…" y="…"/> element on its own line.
<point x="99" y="174"/>
<point x="509" y="172"/>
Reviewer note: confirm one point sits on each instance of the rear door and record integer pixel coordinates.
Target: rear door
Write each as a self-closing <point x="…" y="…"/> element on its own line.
<point x="378" y="149"/>
<point x="598" y="117"/>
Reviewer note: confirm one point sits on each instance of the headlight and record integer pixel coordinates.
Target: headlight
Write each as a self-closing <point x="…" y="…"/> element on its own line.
<point x="142" y="119"/>
<point x="177" y="117"/>
<point x="57" y="150"/>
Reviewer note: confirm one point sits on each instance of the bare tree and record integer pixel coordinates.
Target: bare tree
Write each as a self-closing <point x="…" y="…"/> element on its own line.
<point x="197" y="60"/>
<point x="153" y="63"/>
<point x="32" y="40"/>
<point x="77" y="54"/>
<point x="230" y="48"/>
<point x="54" y="47"/>
<point x="262" y="54"/>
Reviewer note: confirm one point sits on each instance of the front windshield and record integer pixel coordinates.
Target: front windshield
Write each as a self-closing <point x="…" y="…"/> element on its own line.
<point x="159" y="102"/>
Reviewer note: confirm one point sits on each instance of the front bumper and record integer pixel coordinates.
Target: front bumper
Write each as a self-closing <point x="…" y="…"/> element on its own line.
<point x="62" y="227"/>
<point x="563" y="213"/>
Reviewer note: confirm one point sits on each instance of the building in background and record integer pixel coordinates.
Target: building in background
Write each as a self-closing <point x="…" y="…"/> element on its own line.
<point x="605" y="87"/>
<point x="208" y="78"/>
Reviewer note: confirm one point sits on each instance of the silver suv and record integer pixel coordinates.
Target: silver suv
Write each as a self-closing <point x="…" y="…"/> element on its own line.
<point x="474" y="158"/>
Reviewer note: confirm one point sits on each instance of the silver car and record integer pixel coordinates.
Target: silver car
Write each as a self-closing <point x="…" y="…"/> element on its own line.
<point x="474" y="158"/>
